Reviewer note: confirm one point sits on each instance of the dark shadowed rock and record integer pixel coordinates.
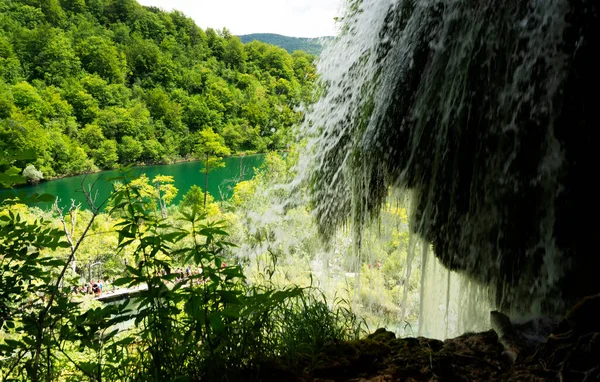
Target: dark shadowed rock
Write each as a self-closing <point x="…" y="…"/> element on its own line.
<point x="488" y="111"/>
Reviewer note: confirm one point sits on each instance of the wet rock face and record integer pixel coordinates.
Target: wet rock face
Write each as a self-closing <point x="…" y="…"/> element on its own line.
<point x="489" y="111"/>
<point x="576" y="236"/>
<point x="497" y="143"/>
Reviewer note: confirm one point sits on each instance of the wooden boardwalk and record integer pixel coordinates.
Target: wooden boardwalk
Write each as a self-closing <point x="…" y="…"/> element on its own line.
<point x="120" y="294"/>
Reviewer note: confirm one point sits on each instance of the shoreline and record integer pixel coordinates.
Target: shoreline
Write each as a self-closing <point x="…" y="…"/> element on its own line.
<point x="135" y="165"/>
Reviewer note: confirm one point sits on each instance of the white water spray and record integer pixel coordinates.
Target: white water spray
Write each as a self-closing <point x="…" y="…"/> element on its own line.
<point x="400" y="117"/>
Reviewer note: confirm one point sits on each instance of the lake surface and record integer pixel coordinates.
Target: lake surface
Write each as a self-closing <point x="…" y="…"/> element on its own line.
<point x="220" y="181"/>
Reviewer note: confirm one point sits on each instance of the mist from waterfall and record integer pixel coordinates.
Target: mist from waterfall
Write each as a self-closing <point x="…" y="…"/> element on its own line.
<point x="397" y="96"/>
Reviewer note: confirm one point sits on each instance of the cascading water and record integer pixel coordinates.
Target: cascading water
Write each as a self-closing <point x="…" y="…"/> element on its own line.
<point x="470" y="106"/>
<point x="479" y="113"/>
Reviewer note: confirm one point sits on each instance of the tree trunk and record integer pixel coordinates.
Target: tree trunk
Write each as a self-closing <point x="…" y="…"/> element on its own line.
<point x="205" y="181"/>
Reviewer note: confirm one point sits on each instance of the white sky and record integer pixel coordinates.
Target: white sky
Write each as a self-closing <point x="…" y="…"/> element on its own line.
<point x="297" y="18"/>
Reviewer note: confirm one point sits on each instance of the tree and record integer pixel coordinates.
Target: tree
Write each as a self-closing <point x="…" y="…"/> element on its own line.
<point x="106" y="155"/>
<point x="129" y="150"/>
<point x="32" y="174"/>
<point x="28" y="99"/>
<point x="153" y="151"/>
<point x="22" y="134"/>
<point x="160" y="192"/>
<point x="10" y="67"/>
<point x="121" y="10"/>
<point x="210" y="149"/>
<point x="106" y="94"/>
<point x="165" y="192"/>
<point x="68" y="158"/>
<point x="215" y="43"/>
<point x="96" y="8"/>
<point x="116" y="122"/>
<point x="278" y="62"/>
<point x="194" y="198"/>
<point x="57" y="60"/>
<point x="197" y="114"/>
<point x="91" y="136"/>
<point x="142" y="58"/>
<point x="234" y="55"/>
<point x="162" y="108"/>
<point x="76" y="6"/>
<point x="150" y="26"/>
<point x="243" y="192"/>
<point x="85" y="106"/>
<point x="100" y="56"/>
<point x="74" y="73"/>
<point x="53" y="11"/>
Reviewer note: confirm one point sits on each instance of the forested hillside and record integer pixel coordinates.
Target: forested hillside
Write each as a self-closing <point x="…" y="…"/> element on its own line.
<point x="291" y="44"/>
<point x="96" y="83"/>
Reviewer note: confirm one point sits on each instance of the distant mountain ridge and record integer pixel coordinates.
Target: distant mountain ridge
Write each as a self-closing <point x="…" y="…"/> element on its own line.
<point x="310" y="45"/>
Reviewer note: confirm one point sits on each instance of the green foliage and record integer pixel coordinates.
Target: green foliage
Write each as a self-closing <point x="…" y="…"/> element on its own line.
<point x="27" y="98"/>
<point x="141" y="74"/>
<point x="164" y="191"/>
<point x="106" y="155"/>
<point x="210" y="149"/>
<point x="6" y="102"/>
<point x="130" y="150"/>
<point x="209" y="326"/>
<point x="35" y="286"/>
<point x="310" y="323"/>
<point x="153" y="151"/>
<point x="194" y="198"/>
<point x="91" y="136"/>
<point x="100" y="56"/>
<point x="234" y="56"/>
<point x="24" y="279"/>
<point x="284" y="246"/>
<point x="56" y="60"/>
<point x="9" y="173"/>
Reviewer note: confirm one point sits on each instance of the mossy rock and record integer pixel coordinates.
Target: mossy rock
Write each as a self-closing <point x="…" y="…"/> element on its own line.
<point x="382" y="335"/>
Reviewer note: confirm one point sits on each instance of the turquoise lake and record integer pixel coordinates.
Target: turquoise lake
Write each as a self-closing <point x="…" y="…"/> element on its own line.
<point x="220" y="181"/>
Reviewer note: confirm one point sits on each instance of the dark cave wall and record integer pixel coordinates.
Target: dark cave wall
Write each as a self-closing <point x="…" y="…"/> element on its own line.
<point x="502" y="185"/>
<point x="493" y="123"/>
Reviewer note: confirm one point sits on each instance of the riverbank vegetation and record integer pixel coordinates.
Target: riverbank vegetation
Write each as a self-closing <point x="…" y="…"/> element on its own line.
<point x="269" y="304"/>
<point x="216" y="323"/>
<point x="97" y="84"/>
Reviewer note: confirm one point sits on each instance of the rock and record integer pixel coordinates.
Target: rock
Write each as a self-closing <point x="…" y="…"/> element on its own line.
<point x="382" y="335"/>
<point x="381" y="357"/>
<point x="584" y="317"/>
<point x="507" y="335"/>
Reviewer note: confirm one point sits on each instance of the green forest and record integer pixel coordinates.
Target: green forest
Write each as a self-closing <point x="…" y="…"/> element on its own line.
<point x="88" y="85"/>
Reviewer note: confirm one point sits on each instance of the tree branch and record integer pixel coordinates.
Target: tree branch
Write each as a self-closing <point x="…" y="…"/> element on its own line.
<point x="53" y="292"/>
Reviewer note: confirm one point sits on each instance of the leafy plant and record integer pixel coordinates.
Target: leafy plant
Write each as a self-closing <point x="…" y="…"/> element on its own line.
<point x="212" y="324"/>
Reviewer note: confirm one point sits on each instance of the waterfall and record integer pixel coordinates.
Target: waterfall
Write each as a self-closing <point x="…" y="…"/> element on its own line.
<point x="476" y="117"/>
<point x="468" y="107"/>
